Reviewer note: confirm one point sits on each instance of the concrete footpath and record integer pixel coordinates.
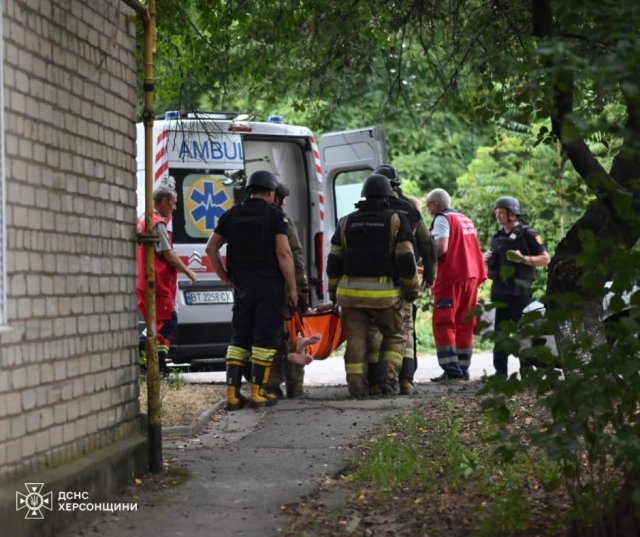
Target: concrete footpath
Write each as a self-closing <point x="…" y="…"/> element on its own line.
<point x="330" y="372"/>
<point x="249" y="464"/>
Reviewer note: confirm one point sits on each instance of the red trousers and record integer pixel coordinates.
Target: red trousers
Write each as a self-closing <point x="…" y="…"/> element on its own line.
<point x="453" y="324"/>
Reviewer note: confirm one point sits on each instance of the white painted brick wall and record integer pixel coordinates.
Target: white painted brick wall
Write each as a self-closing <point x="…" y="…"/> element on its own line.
<point x="67" y="375"/>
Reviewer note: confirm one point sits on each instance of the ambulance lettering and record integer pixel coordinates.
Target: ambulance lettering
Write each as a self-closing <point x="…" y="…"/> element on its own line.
<point x="217" y="151"/>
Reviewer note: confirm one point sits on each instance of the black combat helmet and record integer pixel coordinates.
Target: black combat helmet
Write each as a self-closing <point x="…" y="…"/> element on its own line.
<point x="390" y="172"/>
<point x="262" y="179"/>
<point x="282" y="191"/>
<point x="376" y="186"/>
<point x="508" y="203"/>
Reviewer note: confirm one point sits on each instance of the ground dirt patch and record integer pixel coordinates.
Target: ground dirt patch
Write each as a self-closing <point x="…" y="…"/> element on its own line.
<point x="432" y="504"/>
<point x="182" y="403"/>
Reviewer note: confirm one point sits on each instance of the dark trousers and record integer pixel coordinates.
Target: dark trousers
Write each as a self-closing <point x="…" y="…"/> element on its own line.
<point x="258" y="311"/>
<point x="509" y="308"/>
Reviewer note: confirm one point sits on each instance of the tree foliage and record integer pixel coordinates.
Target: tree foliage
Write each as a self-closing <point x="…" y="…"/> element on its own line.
<point x="559" y="80"/>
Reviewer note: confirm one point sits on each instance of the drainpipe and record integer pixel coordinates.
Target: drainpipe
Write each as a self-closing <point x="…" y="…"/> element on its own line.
<point x="3" y="198"/>
<point x="149" y="239"/>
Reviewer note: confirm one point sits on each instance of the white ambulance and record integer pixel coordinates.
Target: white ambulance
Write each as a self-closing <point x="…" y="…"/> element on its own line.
<point x="207" y="157"/>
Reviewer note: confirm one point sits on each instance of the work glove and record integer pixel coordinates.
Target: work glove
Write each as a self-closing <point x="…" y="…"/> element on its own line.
<point x="515" y="256"/>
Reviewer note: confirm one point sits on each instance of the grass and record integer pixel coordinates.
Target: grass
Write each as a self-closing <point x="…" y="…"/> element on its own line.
<point x="433" y="471"/>
<point x="181" y="403"/>
<point x="435" y="448"/>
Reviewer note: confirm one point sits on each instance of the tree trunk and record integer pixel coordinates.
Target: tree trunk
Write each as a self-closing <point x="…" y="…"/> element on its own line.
<point x="612" y="218"/>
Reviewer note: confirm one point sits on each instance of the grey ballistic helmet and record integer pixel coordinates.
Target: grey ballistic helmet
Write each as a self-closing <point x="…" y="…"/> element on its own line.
<point x="262" y="179"/>
<point x="376" y="186"/>
<point x="508" y="203"/>
<point x="282" y="191"/>
<point x="390" y="172"/>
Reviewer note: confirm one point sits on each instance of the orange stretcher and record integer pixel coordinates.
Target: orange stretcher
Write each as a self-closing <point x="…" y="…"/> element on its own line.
<point x="325" y="322"/>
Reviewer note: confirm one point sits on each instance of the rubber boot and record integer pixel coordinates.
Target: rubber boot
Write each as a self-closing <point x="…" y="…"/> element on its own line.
<point x="358" y="385"/>
<point x="277" y="375"/>
<point x="235" y="400"/>
<point x="259" y="378"/>
<point x="391" y="372"/>
<point x="294" y="374"/>
<point x="294" y="390"/>
<point x="407" y="387"/>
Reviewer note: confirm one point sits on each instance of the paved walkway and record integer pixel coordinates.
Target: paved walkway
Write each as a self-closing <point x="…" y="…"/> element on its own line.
<point x="245" y="467"/>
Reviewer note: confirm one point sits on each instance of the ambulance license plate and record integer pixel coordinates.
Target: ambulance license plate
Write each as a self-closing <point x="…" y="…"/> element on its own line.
<point x="193" y="298"/>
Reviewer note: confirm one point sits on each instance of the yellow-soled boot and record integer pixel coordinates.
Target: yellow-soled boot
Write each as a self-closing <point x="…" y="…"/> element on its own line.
<point x="235" y="400"/>
<point x="260" y="398"/>
<point x="236" y="359"/>
<point x="259" y="378"/>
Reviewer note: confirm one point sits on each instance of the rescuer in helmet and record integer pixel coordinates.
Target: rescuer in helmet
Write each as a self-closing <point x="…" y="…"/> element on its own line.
<point x="371" y="267"/>
<point x="283" y="370"/>
<point x="259" y="263"/>
<point x="424" y="249"/>
<point x="516" y="251"/>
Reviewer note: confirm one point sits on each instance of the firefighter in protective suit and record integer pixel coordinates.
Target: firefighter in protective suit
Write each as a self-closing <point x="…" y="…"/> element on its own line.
<point x="284" y="370"/>
<point x="259" y="262"/>
<point x="371" y="266"/>
<point x="425" y="252"/>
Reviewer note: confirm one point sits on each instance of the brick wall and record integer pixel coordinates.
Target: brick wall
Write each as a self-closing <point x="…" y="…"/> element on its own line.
<point x="68" y="379"/>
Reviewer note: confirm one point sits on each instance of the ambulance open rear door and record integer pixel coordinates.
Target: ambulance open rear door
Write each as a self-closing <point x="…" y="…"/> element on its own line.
<point x="348" y="158"/>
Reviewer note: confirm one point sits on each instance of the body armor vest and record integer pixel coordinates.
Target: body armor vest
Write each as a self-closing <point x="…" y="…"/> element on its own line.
<point x="500" y="243"/>
<point x="368" y="242"/>
<point x="251" y="242"/>
<point x="407" y="209"/>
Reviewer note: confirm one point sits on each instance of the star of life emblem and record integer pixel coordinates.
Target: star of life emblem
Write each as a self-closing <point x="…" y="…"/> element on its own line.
<point x="34" y="501"/>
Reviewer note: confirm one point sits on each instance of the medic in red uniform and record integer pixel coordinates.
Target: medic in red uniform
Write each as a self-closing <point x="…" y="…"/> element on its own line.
<point x="460" y="272"/>
<point x="167" y="265"/>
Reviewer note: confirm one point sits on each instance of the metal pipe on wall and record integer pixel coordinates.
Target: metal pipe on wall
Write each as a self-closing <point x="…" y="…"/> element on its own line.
<point x="147" y="14"/>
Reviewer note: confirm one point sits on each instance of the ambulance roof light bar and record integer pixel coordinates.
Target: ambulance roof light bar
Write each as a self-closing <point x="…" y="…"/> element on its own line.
<point x="180" y="114"/>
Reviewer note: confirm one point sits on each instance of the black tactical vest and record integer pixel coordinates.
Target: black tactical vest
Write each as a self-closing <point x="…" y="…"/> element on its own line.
<point x="406" y="209"/>
<point x="521" y="274"/>
<point x="251" y="242"/>
<point x="369" y="251"/>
